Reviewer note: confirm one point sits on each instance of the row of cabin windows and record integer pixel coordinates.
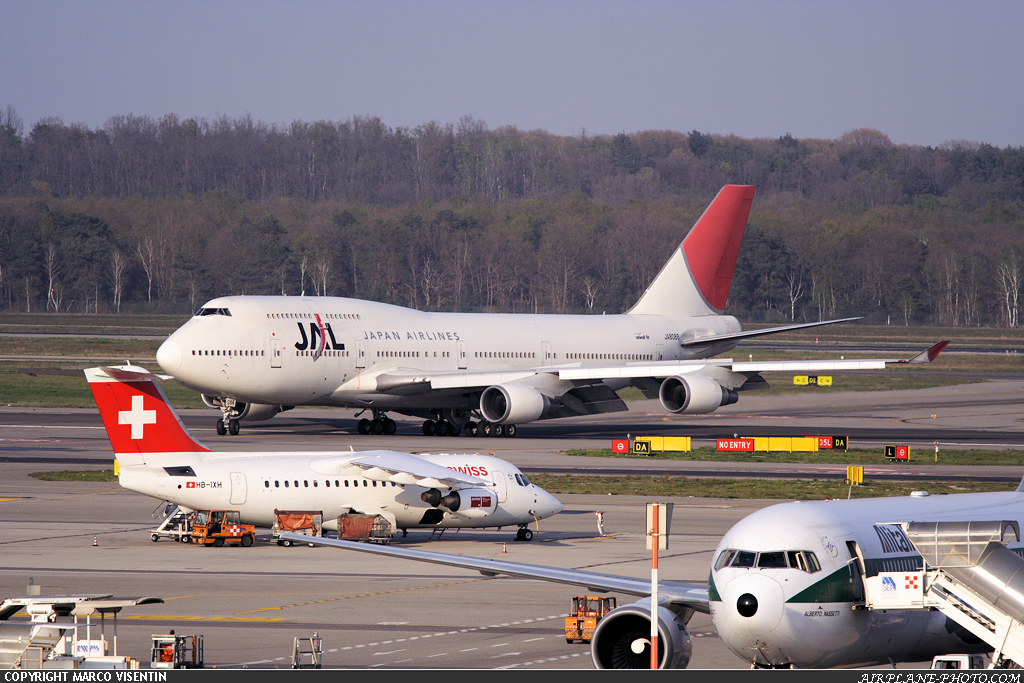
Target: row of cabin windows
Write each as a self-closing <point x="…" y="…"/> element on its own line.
<point x="504" y="354"/>
<point x="306" y="316"/>
<point x="609" y="356"/>
<point x="412" y="354"/>
<point x="231" y="352"/>
<point x="327" y="483"/>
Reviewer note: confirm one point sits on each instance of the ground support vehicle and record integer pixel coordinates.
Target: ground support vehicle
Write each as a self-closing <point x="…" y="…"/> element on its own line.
<point x="360" y="527"/>
<point x="959" y="662"/>
<point x="306" y="522"/>
<point x="222" y="527"/>
<point x="172" y="651"/>
<point x="587" y="611"/>
<point x="177" y="526"/>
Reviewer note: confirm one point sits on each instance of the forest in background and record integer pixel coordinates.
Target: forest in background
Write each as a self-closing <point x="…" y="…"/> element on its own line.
<point x="160" y="215"/>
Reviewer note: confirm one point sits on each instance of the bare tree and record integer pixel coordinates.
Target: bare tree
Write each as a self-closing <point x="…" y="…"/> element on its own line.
<point x="321" y="272"/>
<point x="1009" y="274"/>
<point x="118" y="266"/>
<point x="53" y="289"/>
<point x="147" y="253"/>
<point x="796" y="291"/>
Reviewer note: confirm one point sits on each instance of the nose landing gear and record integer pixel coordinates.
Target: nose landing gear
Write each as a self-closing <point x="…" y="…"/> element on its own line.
<point x="524" y="534"/>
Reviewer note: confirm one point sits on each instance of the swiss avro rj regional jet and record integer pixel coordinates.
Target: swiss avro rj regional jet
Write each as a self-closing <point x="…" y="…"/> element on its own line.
<point x="787" y="586"/>
<point x="158" y="457"/>
<point x="482" y="373"/>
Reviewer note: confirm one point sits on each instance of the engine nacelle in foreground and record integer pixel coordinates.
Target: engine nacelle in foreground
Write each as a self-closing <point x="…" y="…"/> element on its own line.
<point x="513" y="403"/>
<point x="247" y="411"/>
<point x="694" y="395"/>
<point x="623" y="639"/>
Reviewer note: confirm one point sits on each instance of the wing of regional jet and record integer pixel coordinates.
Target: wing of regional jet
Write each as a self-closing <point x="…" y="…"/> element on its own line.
<point x="693" y="596"/>
<point x="403" y="468"/>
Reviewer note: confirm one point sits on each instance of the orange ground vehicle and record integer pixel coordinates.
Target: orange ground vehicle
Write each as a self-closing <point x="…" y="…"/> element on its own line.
<point x="587" y="611"/>
<point x="222" y="527"/>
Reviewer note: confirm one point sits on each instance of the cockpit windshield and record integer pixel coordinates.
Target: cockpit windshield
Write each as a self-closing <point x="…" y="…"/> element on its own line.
<point x="212" y="311"/>
<point x="804" y="560"/>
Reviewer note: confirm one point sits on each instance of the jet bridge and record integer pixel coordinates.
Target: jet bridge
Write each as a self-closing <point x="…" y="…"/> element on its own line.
<point x="969" y="575"/>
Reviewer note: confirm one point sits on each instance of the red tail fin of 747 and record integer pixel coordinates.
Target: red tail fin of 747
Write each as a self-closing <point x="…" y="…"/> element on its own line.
<point x="136" y="414"/>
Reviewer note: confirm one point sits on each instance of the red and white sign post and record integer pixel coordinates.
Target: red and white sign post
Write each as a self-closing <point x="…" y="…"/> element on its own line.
<point x="659" y="520"/>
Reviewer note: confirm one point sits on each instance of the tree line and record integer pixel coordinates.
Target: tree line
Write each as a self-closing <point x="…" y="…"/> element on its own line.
<point x="163" y="214"/>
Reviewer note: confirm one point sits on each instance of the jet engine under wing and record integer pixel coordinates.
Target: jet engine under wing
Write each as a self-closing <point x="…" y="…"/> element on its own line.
<point x="403" y="468"/>
<point x="694" y="596"/>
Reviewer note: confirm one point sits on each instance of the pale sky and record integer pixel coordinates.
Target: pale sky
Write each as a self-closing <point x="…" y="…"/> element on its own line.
<point x="922" y="72"/>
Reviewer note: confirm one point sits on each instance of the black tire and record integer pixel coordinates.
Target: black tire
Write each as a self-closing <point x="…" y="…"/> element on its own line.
<point x="510" y="430"/>
<point x="428" y="428"/>
<point x="246" y="541"/>
<point x="471" y="428"/>
<point x="527" y="535"/>
<point x="497" y="429"/>
<point x="221" y="429"/>
<point x="218" y="542"/>
<point x="286" y="544"/>
<point x="364" y="426"/>
<point x="376" y="427"/>
<point x="390" y="426"/>
<point x="485" y="429"/>
<point x="441" y="428"/>
<point x="233" y="428"/>
<point x="155" y="538"/>
<point x="454" y="429"/>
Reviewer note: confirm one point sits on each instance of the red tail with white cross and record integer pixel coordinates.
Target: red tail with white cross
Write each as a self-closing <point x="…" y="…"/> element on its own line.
<point x="136" y="414"/>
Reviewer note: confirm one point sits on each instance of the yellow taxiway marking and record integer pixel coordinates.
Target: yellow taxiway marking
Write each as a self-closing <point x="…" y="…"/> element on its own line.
<point x="364" y="595"/>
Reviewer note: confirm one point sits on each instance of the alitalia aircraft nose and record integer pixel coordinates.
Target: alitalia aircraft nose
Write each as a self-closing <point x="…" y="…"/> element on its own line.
<point x="753" y="604"/>
<point x="168" y="356"/>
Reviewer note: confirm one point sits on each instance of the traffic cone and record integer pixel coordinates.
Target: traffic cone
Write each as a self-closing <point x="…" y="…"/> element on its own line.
<point x="94" y="541"/>
<point x="504" y="550"/>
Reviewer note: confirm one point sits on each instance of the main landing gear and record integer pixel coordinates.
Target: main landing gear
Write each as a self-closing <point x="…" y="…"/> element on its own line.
<point x="232" y="427"/>
<point x="443" y="427"/>
<point x="380" y="424"/>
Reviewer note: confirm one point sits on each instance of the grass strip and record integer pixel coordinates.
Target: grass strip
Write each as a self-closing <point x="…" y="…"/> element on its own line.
<point x="768" y="489"/>
<point x="76" y="475"/>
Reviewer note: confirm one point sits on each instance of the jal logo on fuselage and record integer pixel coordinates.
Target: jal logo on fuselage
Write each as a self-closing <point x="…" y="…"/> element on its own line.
<point x="313" y="340"/>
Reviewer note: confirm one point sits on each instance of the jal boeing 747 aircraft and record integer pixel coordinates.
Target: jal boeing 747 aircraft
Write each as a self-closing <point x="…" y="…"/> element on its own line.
<point x="812" y="585"/>
<point x="158" y="457"/>
<point x="482" y="373"/>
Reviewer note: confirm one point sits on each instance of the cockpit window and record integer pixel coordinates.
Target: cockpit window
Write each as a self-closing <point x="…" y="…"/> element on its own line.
<point x="804" y="560"/>
<point x="772" y="560"/>
<point x="522" y="480"/>
<point x="212" y="311"/>
<point x="743" y="558"/>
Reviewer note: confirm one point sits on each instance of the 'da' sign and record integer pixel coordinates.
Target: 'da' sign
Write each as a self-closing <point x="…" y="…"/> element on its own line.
<point x="735" y="445"/>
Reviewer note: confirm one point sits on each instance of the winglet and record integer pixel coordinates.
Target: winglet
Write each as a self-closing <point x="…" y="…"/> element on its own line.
<point x="136" y="413"/>
<point x="929" y="354"/>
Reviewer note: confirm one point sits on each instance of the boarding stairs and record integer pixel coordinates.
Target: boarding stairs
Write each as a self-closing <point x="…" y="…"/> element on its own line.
<point x="969" y="575"/>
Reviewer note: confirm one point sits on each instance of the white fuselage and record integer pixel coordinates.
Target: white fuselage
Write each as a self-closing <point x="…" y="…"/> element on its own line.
<point x="265" y="350"/>
<point x="806" y="617"/>
<point x="257" y="484"/>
